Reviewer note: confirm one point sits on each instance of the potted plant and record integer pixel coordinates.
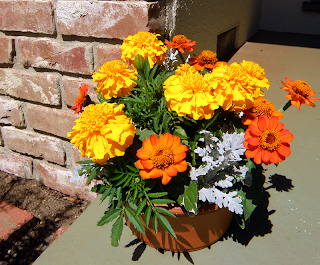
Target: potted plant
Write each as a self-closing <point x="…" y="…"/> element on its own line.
<point x="170" y="146"/>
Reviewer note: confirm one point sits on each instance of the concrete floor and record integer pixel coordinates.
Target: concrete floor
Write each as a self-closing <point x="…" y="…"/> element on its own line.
<point x="285" y="228"/>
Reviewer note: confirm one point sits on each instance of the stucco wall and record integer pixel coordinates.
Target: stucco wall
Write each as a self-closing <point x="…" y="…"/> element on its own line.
<point x="287" y="16"/>
<point x="203" y="21"/>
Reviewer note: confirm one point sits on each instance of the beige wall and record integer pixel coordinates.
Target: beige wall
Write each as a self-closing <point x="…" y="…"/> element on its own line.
<point x="203" y="20"/>
<point x="287" y="16"/>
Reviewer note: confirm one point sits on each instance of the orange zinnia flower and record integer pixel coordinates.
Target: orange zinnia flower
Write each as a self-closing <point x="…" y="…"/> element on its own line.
<point x="181" y="43"/>
<point x="299" y="93"/>
<point x="80" y="101"/>
<point x="163" y="157"/>
<point x="260" y="107"/>
<point x="266" y="141"/>
<point x="207" y="59"/>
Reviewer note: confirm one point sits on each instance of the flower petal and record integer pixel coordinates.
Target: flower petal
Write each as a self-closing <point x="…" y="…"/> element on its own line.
<point x="286" y="136"/>
<point x="263" y="123"/>
<point x="284" y="150"/>
<point x="165" y="178"/>
<point x="147" y="164"/>
<point x="143" y="153"/>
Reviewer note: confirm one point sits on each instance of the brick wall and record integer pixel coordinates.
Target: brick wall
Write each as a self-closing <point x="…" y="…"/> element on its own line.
<point x="47" y="50"/>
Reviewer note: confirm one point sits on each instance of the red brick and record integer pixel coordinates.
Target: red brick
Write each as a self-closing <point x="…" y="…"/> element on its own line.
<point x="53" y="121"/>
<point x="15" y="164"/>
<point x="71" y="89"/>
<point x="12" y="219"/>
<point x="34" y="144"/>
<point x="39" y="87"/>
<point x="48" y="53"/>
<point x="76" y="156"/>
<point x="102" y="19"/>
<point x="7" y="47"/>
<point x="59" y="179"/>
<point x="28" y="16"/>
<point x="106" y="53"/>
<point x="11" y="112"/>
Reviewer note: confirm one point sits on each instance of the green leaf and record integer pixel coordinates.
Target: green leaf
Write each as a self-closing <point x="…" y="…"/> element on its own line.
<point x="135" y="220"/>
<point x="106" y="193"/>
<point x="157" y="194"/>
<point x="86" y="162"/>
<point x="142" y="204"/>
<point x="155" y="223"/>
<point x="162" y="201"/>
<point x="132" y="205"/>
<point x="144" y="134"/>
<point x="180" y="132"/>
<point x="147" y="215"/>
<point x="133" y="169"/>
<point x="146" y="67"/>
<point x="99" y="188"/>
<point x="117" y="177"/>
<point x="165" y="211"/>
<point x="92" y="175"/>
<point x="166" y="225"/>
<point x="189" y="198"/>
<point x="109" y="216"/>
<point x="112" y="193"/>
<point x="116" y="231"/>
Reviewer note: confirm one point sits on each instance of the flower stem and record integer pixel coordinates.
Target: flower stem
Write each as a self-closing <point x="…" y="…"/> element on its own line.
<point x="286" y="106"/>
<point x="181" y="57"/>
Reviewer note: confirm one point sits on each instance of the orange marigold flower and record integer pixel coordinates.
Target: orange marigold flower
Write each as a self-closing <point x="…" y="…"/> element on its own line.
<point x="260" y="107"/>
<point x="80" y="101"/>
<point x="181" y="43"/>
<point x="266" y="140"/>
<point x="299" y="93"/>
<point x="161" y="157"/>
<point x="207" y="59"/>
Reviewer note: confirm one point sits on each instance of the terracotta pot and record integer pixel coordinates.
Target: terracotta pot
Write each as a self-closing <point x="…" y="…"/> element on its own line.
<point x="193" y="233"/>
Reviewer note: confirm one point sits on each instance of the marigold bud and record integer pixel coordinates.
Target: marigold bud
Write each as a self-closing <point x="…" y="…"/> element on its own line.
<point x="139" y="62"/>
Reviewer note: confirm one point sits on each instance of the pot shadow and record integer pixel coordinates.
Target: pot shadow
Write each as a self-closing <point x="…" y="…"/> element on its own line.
<point x="259" y="224"/>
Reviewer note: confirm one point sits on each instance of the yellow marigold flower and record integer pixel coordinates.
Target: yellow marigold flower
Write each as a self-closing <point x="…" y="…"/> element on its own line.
<point x="191" y="94"/>
<point x="185" y="69"/>
<point x="234" y="91"/>
<point x="257" y="75"/>
<point x="146" y="44"/>
<point x="115" y="79"/>
<point x="102" y="132"/>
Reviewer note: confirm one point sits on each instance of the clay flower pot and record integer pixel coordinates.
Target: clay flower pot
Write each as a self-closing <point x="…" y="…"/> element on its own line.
<point x="193" y="233"/>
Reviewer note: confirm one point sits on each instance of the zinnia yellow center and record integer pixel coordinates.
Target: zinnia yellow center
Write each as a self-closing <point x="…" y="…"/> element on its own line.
<point x="208" y="57"/>
<point x="270" y="139"/>
<point x="262" y="107"/>
<point x="179" y="39"/>
<point x="302" y="88"/>
<point x="162" y="156"/>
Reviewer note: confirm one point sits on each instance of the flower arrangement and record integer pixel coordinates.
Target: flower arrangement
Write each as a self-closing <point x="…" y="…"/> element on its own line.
<point x="195" y="135"/>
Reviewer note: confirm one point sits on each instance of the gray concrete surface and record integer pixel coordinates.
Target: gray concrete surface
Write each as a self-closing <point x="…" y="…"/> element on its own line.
<point x="285" y="228"/>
